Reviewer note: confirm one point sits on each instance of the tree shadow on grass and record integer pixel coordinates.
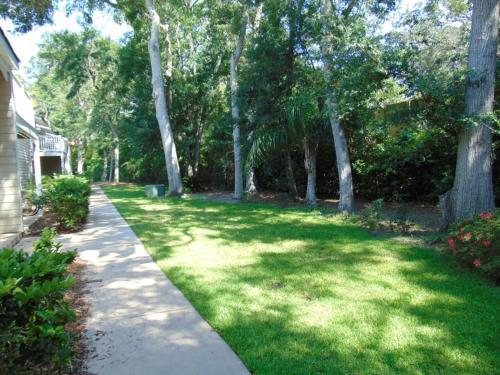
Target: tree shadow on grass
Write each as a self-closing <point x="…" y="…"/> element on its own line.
<point x="326" y="297"/>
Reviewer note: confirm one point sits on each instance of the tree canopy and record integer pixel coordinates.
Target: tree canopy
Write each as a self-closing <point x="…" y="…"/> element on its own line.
<point x="394" y="101"/>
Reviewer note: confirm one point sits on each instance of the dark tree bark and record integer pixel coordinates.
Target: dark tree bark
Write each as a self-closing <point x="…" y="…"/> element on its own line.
<point x="310" y="157"/>
<point x="472" y="191"/>
<point x="251" y="178"/>
<point x="292" y="186"/>
<point x="235" y="110"/>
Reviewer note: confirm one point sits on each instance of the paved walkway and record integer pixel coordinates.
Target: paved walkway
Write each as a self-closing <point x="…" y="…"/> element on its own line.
<point x="140" y="323"/>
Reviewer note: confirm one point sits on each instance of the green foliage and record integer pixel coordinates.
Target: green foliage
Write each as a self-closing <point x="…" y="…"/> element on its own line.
<point x="68" y="197"/>
<point x="30" y="194"/>
<point x="476" y="244"/>
<point x="33" y="312"/>
<point x="373" y="214"/>
<point x="26" y="14"/>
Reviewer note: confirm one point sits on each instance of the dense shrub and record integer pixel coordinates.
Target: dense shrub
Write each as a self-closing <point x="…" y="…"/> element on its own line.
<point x="33" y="312"/>
<point x="68" y="197"/>
<point x="476" y="243"/>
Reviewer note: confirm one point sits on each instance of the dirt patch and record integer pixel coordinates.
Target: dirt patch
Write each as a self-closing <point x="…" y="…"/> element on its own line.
<point x="77" y="300"/>
<point x="425" y="215"/>
<point x="50" y="220"/>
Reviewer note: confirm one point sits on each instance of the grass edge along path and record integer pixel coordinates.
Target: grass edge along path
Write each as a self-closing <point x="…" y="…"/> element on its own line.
<point x="296" y="292"/>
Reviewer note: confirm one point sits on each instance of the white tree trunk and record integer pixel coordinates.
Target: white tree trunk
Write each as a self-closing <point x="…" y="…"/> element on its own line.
<point x="346" y="194"/>
<point x="346" y="191"/>
<point x="110" y="173"/>
<point x="79" y="158"/>
<point x="310" y="151"/>
<point x="173" y="170"/>
<point x="170" y="66"/>
<point x="116" y="152"/>
<point x="472" y="191"/>
<point x="235" y="111"/>
<point x="116" y="177"/>
<point x="104" y="173"/>
<point x="251" y="185"/>
<point x="67" y="163"/>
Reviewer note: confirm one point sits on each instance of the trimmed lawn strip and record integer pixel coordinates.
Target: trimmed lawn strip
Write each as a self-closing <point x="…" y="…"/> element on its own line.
<point x="296" y="292"/>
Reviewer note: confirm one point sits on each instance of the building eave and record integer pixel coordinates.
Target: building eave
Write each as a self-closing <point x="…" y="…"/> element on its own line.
<point x="6" y="44"/>
<point x="24" y="128"/>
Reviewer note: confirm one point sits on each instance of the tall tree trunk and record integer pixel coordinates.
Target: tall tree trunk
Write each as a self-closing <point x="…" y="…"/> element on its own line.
<point x="472" y="191"/>
<point x="346" y="191"/>
<point x="68" y="166"/>
<point x="170" y="66"/>
<point x="346" y="194"/>
<point x="111" y="161"/>
<point x="104" y="173"/>
<point x="251" y="184"/>
<point x="235" y="111"/>
<point x="292" y="186"/>
<point x="116" y="151"/>
<point x="173" y="170"/>
<point x="116" y="176"/>
<point x="79" y="157"/>
<point x="251" y="179"/>
<point x="310" y="152"/>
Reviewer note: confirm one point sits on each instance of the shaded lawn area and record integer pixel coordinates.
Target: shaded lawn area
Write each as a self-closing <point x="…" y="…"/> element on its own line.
<point x="297" y="292"/>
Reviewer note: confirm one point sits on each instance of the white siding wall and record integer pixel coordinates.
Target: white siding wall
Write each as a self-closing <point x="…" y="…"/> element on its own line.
<point x="24" y="104"/>
<point x="25" y="161"/>
<point x="10" y="195"/>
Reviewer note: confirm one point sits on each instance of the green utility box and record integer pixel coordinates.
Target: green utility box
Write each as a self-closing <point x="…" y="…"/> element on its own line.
<point x="154" y="191"/>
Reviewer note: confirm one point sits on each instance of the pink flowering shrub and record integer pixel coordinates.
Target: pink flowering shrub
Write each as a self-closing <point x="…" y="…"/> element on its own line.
<point x="476" y="243"/>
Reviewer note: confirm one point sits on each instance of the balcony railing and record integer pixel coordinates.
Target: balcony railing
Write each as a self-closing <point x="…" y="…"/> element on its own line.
<point x="52" y="143"/>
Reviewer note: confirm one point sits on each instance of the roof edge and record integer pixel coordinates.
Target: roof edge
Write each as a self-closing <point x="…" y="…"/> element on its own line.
<point x="2" y="33"/>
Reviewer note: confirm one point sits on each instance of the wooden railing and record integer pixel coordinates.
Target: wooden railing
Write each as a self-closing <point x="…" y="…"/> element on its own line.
<point x="52" y="143"/>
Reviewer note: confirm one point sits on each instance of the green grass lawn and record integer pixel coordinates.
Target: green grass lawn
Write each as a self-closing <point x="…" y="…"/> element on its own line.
<point x="297" y="292"/>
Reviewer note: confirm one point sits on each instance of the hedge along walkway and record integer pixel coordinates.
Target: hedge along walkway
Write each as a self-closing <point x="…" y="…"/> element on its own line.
<point x="139" y="323"/>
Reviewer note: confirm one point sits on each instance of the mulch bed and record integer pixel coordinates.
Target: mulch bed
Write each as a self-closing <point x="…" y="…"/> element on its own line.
<point x="77" y="300"/>
<point x="50" y="220"/>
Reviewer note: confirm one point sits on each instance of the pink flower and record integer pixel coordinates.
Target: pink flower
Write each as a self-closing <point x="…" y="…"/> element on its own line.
<point x="468" y="236"/>
<point x="451" y="242"/>
<point x="477" y="262"/>
<point x="486" y="243"/>
<point x="486" y="215"/>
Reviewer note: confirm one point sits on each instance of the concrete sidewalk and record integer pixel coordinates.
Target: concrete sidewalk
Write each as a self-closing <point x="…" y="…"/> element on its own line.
<point x="140" y="323"/>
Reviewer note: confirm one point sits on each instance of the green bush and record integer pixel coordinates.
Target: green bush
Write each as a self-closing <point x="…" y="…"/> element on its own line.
<point x="33" y="312"/>
<point x="476" y="243"/>
<point x="68" y="197"/>
<point x="372" y="215"/>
